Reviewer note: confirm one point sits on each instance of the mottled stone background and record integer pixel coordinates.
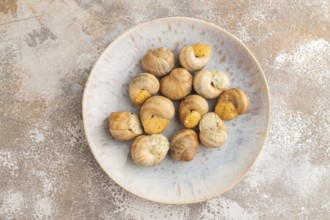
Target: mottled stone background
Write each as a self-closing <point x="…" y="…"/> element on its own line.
<point x="47" y="49"/>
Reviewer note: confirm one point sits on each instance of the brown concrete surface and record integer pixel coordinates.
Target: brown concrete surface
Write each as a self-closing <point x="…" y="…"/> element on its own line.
<point x="47" y="49"/>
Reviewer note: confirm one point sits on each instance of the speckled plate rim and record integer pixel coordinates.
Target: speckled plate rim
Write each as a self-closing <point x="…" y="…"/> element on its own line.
<point x="129" y="31"/>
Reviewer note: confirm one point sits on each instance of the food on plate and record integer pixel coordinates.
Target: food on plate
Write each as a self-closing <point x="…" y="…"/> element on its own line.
<point x="213" y="131"/>
<point x="149" y="150"/>
<point x="176" y="85"/>
<point x="142" y="87"/>
<point x="184" y="145"/>
<point x="232" y="103"/>
<point x="124" y="125"/>
<point x="210" y="84"/>
<point x="195" y="57"/>
<point x="191" y="110"/>
<point x="156" y="113"/>
<point x="158" y="62"/>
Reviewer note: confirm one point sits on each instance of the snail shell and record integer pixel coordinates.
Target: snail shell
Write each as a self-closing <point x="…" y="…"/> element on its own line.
<point x="124" y="125"/>
<point x="195" y="57"/>
<point x="142" y="87"/>
<point x="232" y="103"/>
<point x="184" y="145"/>
<point x="156" y="114"/>
<point x="158" y="62"/>
<point x="177" y="84"/>
<point x="213" y="131"/>
<point x="149" y="150"/>
<point x="210" y="84"/>
<point x="191" y="110"/>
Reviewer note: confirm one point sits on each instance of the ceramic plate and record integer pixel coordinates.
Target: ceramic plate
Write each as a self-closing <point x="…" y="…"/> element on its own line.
<point x="213" y="171"/>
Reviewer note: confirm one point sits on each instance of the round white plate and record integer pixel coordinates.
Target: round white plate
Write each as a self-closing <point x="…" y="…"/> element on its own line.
<point x="213" y="171"/>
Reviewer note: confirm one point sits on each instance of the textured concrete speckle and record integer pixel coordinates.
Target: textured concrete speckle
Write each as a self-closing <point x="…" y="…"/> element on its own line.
<point x="39" y="36"/>
<point x="8" y="6"/>
<point x="47" y="50"/>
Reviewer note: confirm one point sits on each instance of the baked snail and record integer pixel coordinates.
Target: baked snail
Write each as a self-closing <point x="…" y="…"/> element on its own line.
<point x="158" y="62"/>
<point x="156" y="113"/>
<point x="142" y="87"/>
<point x="232" y="103"/>
<point x="191" y="110"/>
<point x="184" y="145"/>
<point x="213" y="131"/>
<point x="124" y="125"/>
<point x="149" y="150"/>
<point x="195" y="57"/>
<point x="210" y="84"/>
<point x="176" y="85"/>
